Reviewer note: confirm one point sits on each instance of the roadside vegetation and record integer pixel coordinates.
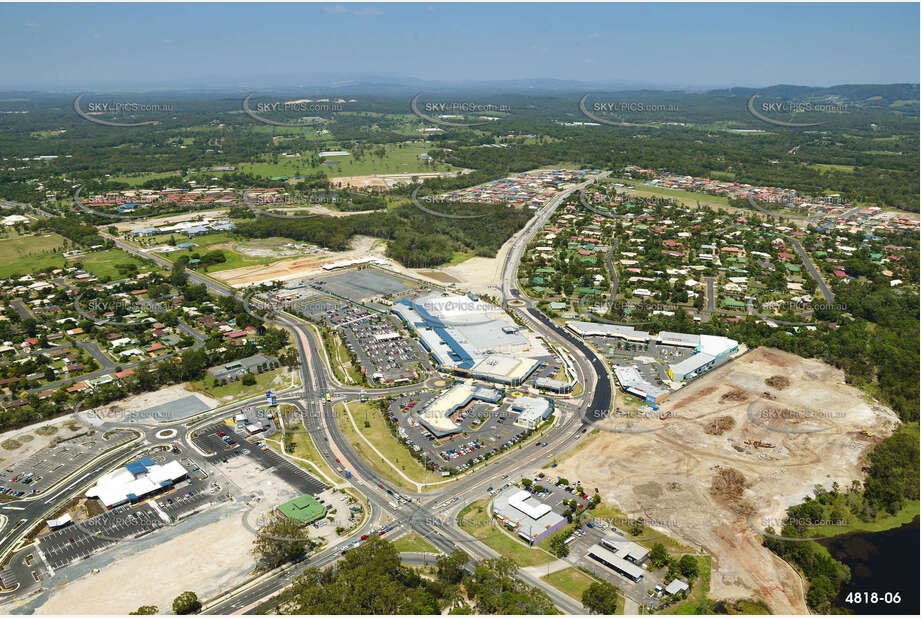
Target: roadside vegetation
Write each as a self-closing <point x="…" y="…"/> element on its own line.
<point x="371" y="580"/>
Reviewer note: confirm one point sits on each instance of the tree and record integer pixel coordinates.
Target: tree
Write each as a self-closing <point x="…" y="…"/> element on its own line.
<point x="558" y="545"/>
<point x="658" y="555"/>
<point x="688" y="566"/>
<point x="248" y="379"/>
<point x="279" y="540"/>
<point x="637" y="526"/>
<point x="146" y="610"/>
<point x="601" y="598"/>
<point x="451" y="567"/>
<point x="186" y="603"/>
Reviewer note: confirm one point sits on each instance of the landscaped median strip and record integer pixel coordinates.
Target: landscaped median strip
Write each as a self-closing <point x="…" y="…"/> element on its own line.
<point x="348" y="412"/>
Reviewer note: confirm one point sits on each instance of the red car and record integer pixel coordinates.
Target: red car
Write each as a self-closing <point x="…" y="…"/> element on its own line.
<point x="364" y="536"/>
<point x="337" y="460"/>
<point x="379" y="485"/>
<point x="221" y="434"/>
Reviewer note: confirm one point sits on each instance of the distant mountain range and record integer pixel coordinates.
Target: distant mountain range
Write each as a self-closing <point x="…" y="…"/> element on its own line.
<point x="380" y="85"/>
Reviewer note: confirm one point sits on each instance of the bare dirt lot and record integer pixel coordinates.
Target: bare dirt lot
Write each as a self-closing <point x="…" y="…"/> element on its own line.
<point x="703" y="485"/>
<point x="156" y="574"/>
<point x="36" y="437"/>
<point x="285" y="270"/>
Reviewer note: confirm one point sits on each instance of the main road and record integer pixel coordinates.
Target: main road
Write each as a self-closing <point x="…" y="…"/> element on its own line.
<point x="424" y="514"/>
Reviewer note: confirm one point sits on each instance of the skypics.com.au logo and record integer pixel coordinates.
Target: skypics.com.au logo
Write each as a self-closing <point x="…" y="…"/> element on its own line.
<point x="312" y="112"/>
<point x="771" y="111"/>
<point x="107" y="113"/>
<point x="458" y="114"/>
<point x="618" y="113"/>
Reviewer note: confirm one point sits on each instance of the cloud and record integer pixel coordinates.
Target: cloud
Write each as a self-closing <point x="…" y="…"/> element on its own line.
<point x="594" y="35"/>
<point x="332" y="10"/>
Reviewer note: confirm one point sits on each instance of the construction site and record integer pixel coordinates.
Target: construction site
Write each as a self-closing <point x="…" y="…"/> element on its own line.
<point x="753" y="436"/>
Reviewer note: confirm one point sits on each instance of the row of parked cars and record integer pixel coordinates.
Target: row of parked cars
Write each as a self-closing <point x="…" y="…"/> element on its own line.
<point x="518" y="436"/>
<point x="16" y="493"/>
<point x="460" y="451"/>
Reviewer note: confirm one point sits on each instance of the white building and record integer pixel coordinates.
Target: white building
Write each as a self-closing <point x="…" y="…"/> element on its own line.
<point x="136" y="480"/>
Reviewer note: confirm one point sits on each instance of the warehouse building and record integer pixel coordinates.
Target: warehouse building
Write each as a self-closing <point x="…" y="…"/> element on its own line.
<point x="711" y="351"/>
<point x="135" y="481"/>
<point x="594" y="329"/>
<point x="614" y="562"/>
<point x="625" y="548"/>
<point x="530" y="518"/>
<point x="633" y="382"/>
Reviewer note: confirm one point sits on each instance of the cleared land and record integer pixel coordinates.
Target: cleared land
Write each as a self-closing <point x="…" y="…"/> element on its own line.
<point x="399" y="159"/>
<point x="700" y="488"/>
<point x="570" y="580"/>
<point x="27" y="254"/>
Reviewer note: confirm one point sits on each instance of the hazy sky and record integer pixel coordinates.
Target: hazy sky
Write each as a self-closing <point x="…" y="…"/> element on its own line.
<point x="81" y="46"/>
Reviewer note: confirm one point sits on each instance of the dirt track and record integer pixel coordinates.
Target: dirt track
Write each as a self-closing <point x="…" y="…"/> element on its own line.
<point x="666" y="475"/>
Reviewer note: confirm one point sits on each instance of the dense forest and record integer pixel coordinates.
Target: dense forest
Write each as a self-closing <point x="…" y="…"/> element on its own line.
<point x="415" y="239"/>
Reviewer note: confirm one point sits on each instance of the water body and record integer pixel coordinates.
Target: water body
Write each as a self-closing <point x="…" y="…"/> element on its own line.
<point x="880" y="562"/>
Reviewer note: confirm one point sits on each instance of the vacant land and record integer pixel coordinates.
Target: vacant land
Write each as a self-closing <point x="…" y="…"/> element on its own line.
<point x="277" y="378"/>
<point x="688" y="198"/>
<point x="104" y="264"/>
<point x="700" y="487"/>
<point x="572" y="581"/>
<point x="399" y="159"/>
<point x="23" y="255"/>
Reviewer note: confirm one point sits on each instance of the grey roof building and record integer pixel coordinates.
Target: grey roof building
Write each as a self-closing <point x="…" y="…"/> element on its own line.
<point x="530" y="518"/>
<point x="255" y="364"/>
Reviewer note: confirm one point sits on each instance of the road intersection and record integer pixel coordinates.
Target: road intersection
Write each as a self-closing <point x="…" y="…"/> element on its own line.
<point x="428" y="514"/>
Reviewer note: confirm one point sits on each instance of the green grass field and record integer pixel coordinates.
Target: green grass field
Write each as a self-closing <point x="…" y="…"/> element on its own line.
<point x="27" y="254"/>
<point x="208" y="242"/>
<point x="379" y="435"/>
<point x="139" y="178"/>
<point x="397" y="160"/>
<point x="831" y="167"/>
<point x="474" y="520"/>
<point x="236" y="390"/>
<point x="412" y="542"/>
<point x="103" y="264"/>
<point x="687" y="197"/>
<point x="300" y="444"/>
<point x="572" y="581"/>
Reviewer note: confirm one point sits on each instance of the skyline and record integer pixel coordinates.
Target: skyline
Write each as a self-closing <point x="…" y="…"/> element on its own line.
<point x="77" y="46"/>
